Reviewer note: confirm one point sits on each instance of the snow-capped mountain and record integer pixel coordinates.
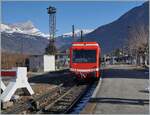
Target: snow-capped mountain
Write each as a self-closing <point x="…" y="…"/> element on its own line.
<point x="30" y="29"/>
<point x="64" y="41"/>
<point x="110" y="36"/>
<point x="9" y="29"/>
<point x="78" y="32"/>
<point x="24" y="28"/>
<point x="27" y="35"/>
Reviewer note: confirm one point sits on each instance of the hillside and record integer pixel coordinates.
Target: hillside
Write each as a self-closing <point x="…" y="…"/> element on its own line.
<point x="26" y="38"/>
<point x="23" y="43"/>
<point x="115" y="35"/>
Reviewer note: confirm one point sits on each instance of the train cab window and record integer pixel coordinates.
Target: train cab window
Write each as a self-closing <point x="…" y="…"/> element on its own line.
<point x="84" y="56"/>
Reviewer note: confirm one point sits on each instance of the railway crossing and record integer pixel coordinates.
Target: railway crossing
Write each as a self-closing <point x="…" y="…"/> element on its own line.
<point x="19" y="80"/>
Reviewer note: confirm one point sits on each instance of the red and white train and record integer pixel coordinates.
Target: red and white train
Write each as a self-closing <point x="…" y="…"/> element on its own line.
<point x="85" y="60"/>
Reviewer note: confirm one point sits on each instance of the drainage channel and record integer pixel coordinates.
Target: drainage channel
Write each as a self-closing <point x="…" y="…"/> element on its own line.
<point x="84" y="100"/>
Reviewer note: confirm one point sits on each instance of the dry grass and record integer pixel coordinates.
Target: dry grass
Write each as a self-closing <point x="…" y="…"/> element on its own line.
<point x="9" y="60"/>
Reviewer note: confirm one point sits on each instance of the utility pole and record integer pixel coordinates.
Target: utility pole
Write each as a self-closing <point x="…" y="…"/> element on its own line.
<point x="51" y="48"/>
<point x="73" y="34"/>
<point x="81" y="35"/>
<point x="21" y="52"/>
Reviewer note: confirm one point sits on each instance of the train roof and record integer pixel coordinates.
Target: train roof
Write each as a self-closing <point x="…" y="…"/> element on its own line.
<point x="85" y="44"/>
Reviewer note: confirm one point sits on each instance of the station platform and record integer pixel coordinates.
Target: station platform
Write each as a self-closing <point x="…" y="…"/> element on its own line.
<point x="121" y="91"/>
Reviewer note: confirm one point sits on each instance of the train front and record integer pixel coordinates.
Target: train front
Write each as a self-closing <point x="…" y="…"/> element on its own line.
<point x="85" y="60"/>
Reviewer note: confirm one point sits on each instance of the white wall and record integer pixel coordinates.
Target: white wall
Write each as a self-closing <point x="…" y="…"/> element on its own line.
<point x="49" y="63"/>
<point x="42" y="63"/>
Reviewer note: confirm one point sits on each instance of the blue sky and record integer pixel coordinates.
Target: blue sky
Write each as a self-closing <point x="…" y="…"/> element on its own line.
<point x="84" y="15"/>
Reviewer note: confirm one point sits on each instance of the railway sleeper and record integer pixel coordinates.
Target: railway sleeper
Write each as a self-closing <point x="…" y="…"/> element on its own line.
<point x="72" y="97"/>
<point x="52" y="112"/>
<point x="58" y="109"/>
<point x="66" y="99"/>
<point x="69" y="95"/>
<point x="64" y="103"/>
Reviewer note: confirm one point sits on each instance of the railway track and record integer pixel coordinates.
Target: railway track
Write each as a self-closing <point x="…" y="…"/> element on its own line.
<point x="33" y="105"/>
<point x="57" y="100"/>
<point x="65" y="102"/>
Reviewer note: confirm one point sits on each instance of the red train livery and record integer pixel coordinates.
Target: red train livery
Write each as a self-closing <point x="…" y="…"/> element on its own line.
<point x="85" y="59"/>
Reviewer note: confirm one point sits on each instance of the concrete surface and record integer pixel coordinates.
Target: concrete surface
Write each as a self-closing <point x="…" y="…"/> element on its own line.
<point x="122" y="91"/>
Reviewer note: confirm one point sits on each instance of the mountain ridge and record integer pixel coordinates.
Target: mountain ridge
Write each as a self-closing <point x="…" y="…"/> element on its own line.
<point x="110" y="36"/>
<point x="115" y="34"/>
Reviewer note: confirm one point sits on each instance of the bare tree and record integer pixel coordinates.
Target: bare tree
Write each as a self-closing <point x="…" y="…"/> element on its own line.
<point x="138" y="41"/>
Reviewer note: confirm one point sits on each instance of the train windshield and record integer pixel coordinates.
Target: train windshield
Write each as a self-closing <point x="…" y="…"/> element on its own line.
<point x="84" y="56"/>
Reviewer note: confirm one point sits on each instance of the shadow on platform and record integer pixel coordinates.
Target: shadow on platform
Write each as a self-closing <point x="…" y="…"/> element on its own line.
<point x="122" y="73"/>
<point x="119" y="101"/>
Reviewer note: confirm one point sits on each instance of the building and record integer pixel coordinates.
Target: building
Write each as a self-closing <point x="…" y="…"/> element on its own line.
<point x="42" y="63"/>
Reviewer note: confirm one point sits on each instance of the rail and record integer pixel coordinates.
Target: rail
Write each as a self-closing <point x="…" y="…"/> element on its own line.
<point x="56" y="100"/>
<point x="32" y="105"/>
<point x="65" y="103"/>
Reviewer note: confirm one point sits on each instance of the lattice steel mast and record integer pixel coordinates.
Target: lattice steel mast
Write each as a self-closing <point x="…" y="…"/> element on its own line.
<point x="51" y="49"/>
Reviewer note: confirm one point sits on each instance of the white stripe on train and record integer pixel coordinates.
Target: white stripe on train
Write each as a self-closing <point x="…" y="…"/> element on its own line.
<point x="84" y="70"/>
